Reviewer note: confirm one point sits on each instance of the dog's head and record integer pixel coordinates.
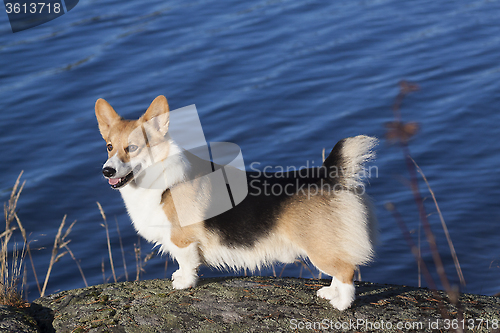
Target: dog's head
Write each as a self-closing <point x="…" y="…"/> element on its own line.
<point x="133" y="145"/>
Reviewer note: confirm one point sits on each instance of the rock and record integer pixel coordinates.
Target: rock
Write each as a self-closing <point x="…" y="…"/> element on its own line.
<point x="256" y="304"/>
<point x="14" y="320"/>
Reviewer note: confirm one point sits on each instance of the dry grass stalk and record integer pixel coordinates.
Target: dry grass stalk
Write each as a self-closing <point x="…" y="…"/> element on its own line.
<point x="138" y="265"/>
<point x="9" y="292"/>
<point x="304" y="265"/>
<point x="28" y="251"/>
<point x="443" y="224"/>
<point x="402" y="133"/>
<point x="103" y="271"/>
<point x="59" y="243"/>
<point x="110" y="254"/>
<point x="282" y="270"/>
<point x="77" y="264"/>
<point x="406" y="233"/>
<point x="414" y="249"/>
<point x="148" y="257"/>
<point x="10" y="274"/>
<point x="123" y="252"/>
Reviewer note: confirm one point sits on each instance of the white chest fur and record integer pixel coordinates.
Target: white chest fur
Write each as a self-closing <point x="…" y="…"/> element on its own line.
<point x="146" y="211"/>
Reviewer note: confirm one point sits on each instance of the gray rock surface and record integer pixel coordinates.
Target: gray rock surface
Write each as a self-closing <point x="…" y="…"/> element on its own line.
<point x="257" y="304"/>
<point x="13" y="320"/>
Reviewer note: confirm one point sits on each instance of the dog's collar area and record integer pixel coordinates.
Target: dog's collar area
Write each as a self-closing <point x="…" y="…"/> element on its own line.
<point x="124" y="180"/>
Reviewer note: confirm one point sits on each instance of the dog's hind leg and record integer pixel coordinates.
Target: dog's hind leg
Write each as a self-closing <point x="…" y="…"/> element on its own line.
<point x="341" y="292"/>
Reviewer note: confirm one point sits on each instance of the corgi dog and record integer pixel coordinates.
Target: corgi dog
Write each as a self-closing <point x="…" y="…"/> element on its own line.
<point x="334" y="227"/>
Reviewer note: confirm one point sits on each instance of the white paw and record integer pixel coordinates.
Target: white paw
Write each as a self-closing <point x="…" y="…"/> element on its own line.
<point x="340" y="304"/>
<point x="340" y="297"/>
<point x="328" y="293"/>
<point x="183" y="280"/>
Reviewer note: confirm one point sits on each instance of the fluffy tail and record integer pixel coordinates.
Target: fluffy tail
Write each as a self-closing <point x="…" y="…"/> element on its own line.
<point x="345" y="164"/>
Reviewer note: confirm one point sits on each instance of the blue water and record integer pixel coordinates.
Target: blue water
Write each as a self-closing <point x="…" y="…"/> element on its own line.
<point x="283" y="80"/>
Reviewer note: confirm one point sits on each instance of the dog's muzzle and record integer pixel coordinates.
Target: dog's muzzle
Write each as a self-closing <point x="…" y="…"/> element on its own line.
<point x="116" y="183"/>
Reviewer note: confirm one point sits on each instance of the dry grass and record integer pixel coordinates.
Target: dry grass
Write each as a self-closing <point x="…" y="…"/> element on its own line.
<point x="400" y="132"/>
<point x="140" y="261"/>
<point x="59" y="243"/>
<point x="110" y="253"/>
<point x="12" y="259"/>
<point x="445" y="228"/>
<point x="122" y="251"/>
<point x="12" y="263"/>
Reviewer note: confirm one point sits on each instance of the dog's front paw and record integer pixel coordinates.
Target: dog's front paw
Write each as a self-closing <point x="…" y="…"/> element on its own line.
<point x="183" y="280"/>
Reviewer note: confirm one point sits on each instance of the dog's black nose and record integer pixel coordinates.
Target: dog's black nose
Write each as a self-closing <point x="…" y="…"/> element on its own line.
<point x="108" y="172"/>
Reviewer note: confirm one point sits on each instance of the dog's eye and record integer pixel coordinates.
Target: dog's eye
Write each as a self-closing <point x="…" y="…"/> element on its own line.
<point x="109" y="146"/>
<point x="131" y="148"/>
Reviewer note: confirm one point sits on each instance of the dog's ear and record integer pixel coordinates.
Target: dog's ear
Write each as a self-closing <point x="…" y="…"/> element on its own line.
<point x="106" y="116"/>
<point x="157" y="115"/>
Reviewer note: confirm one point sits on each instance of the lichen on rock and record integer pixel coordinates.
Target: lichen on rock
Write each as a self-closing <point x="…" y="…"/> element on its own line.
<point x="256" y="304"/>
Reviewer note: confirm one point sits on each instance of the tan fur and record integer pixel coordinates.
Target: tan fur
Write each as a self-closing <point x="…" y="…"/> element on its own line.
<point x="317" y="223"/>
<point x="180" y="236"/>
<point x="315" y="226"/>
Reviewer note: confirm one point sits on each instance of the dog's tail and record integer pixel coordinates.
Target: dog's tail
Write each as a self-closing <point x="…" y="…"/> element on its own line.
<point x="346" y="163"/>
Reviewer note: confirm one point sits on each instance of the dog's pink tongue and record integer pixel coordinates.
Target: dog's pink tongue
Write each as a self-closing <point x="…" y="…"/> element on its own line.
<point x="113" y="181"/>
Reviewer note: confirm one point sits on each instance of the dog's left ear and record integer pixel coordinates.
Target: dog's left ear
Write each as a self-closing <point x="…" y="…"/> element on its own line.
<point x="157" y="115"/>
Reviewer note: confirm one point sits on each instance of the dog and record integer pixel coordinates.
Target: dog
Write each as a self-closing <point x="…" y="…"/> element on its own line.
<point x="335" y="228"/>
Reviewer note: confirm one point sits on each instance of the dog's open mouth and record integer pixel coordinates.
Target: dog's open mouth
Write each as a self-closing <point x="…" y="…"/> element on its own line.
<point x="120" y="182"/>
